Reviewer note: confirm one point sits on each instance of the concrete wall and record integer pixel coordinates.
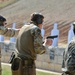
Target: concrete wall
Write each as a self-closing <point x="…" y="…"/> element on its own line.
<point x="6" y="51"/>
<point x="51" y="60"/>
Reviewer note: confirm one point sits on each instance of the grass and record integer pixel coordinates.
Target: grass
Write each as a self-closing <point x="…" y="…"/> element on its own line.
<point x="6" y="3"/>
<point x="43" y="73"/>
<point x="7" y="71"/>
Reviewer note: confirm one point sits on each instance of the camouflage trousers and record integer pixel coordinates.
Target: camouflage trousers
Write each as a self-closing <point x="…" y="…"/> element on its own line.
<point x="23" y="67"/>
<point x="29" y="69"/>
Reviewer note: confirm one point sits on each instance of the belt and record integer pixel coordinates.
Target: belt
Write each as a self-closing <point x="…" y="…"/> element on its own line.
<point x="25" y="59"/>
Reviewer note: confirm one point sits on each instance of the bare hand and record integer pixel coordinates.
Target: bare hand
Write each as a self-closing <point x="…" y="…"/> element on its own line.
<point x="48" y="42"/>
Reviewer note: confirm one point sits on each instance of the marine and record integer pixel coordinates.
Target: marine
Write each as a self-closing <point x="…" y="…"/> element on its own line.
<point x="6" y="32"/>
<point x="68" y="64"/>
<point x="29" y="44"/>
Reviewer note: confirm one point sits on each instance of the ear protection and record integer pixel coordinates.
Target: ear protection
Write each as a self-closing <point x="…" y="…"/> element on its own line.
<point x="37" y="18"/>
<point x="2" y="19"/>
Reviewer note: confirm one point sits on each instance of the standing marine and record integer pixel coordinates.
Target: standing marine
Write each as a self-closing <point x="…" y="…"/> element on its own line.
<point x="68" y="64"/>
<point x="29" y="43"/>
<point x="6" y="32"/>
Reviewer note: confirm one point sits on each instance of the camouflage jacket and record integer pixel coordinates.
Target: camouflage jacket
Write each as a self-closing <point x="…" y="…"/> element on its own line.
<point x="69" y="56"/>
<point x="29" y="41"/>
<point x="7" y="32"/>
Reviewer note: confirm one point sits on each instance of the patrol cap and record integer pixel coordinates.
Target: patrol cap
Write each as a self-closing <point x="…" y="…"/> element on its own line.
<point x="2" y="19"/>
<point x="52" y="37"/>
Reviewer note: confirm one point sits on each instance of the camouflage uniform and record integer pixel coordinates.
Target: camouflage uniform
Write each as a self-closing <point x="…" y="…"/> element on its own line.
<point x="6" y="32"/>
<point x="29" y="43"/>
<point x="68" y="65"/>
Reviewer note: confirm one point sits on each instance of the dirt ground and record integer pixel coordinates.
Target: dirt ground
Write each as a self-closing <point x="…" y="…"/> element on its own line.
<point x="55" y="11"/>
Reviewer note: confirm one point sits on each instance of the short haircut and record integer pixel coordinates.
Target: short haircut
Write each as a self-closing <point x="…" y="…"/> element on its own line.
<point x="37" y="18"/>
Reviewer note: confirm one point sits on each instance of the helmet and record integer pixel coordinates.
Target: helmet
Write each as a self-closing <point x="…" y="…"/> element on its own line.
<point x="37" y="18"/>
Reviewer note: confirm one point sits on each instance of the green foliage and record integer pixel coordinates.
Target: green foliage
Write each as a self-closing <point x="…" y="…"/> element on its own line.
<point x="43" y="73"/>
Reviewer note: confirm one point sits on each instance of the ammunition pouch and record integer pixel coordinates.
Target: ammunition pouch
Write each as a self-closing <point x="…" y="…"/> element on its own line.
<point x="16" y="66"/>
